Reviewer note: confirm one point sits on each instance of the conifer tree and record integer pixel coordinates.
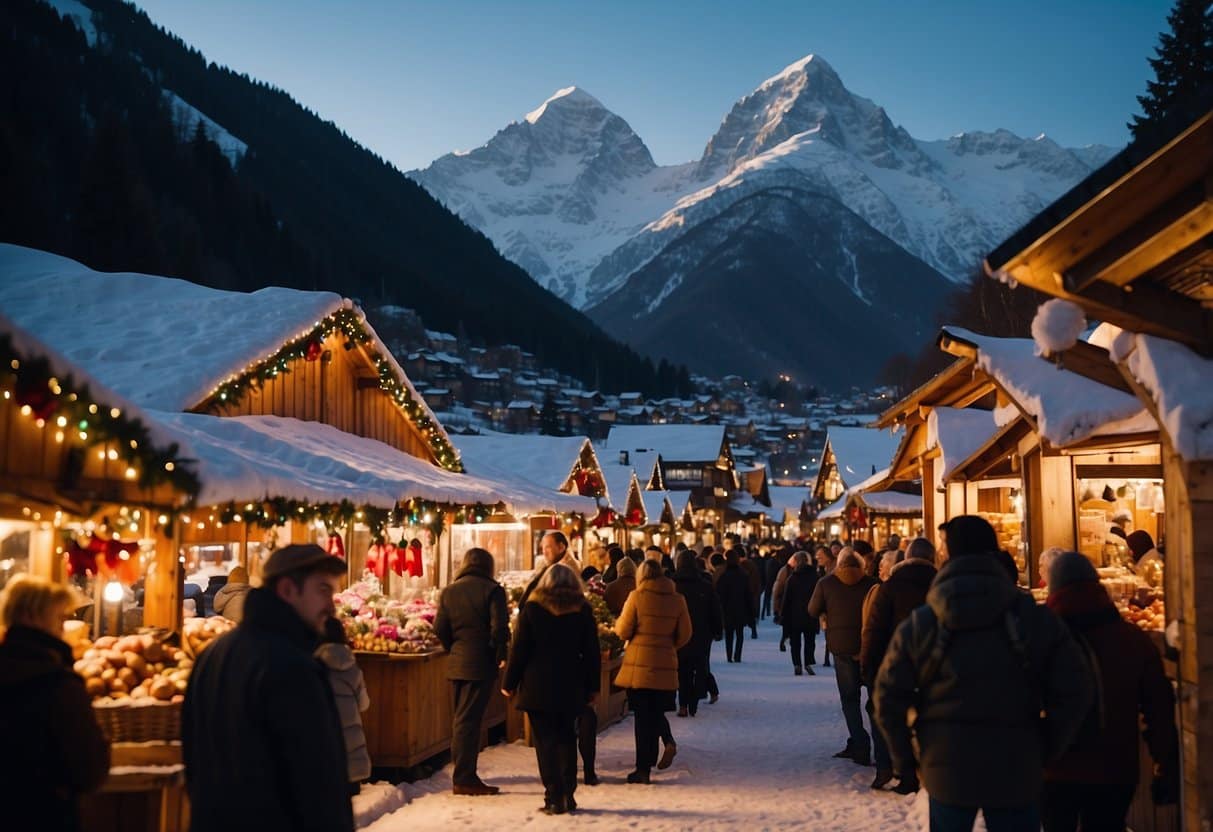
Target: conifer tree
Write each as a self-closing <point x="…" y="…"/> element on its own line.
<point x="1184" y="62"/>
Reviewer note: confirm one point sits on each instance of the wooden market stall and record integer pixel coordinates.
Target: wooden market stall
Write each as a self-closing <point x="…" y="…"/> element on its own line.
<point x="849" y="458"/>
<point x="875" y="515"/>
<point x="1130" y="247"/>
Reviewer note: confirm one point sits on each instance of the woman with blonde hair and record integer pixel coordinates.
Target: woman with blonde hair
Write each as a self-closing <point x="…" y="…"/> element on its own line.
<point x="56" y="751"/>
<point x="552" y="674"/>
<point x="655" y="623"/>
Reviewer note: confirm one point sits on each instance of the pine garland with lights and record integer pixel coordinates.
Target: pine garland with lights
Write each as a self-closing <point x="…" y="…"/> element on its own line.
<point x="68" y="406"/>
<point x="306" y="348"/>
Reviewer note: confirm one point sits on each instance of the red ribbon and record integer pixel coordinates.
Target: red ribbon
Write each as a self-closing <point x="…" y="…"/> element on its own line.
<point x="336" y="546"/>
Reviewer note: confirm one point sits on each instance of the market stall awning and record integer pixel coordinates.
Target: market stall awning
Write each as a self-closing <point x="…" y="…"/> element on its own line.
<point x="249" y="458"/>
<point x="1064" y="407"/>
<point x="958" y="434"/>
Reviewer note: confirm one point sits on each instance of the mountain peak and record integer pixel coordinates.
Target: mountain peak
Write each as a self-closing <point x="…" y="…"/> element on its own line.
<point x="809" y="64"/>
<point x="574" y="96"/>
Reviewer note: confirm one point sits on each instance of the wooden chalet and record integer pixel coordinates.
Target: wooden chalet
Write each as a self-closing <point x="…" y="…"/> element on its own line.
<point x="1133" y="246"/>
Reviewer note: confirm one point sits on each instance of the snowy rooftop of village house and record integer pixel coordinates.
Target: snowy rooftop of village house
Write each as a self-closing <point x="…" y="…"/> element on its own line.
<point x="861" y="452"/>
<point x="958" y="433"/>
<point x="892" y="502"/>
<point x="163" y="343"/>
<point x="1180" y="383"/>
<point x="618" y="480"/>
<point x="834" y="509"/>
<point x="544" y="460"/>
<point x="1067" y="407"/>
<point x="675" y="443"/>
<point x="679" y="500"/>
<point x="789" y="498"/>
<point x="643" y="463"/>
<point x="251" y="457"/>
<point x="654" y="505"/>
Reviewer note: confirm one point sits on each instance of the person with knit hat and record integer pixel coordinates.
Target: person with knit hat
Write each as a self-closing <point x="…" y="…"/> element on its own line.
<point x="229" y="600"/>
<point x="1093" y="783"/>
<point x="1147" y="560"/>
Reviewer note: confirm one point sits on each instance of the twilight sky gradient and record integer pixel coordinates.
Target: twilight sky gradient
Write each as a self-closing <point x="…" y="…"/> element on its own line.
<point x="413" y="80"/>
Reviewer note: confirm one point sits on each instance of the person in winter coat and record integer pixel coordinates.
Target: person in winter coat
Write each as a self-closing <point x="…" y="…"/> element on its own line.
<point x="618" y="590"/>
<point x="614" y="555"/>
<point x="707" y="625"/>
<point x="981" y="663"/>
<point x="229" y="600"/>
<point x="552" y="675"/>
<point x="754" y="579"/>
<point x="871" y="560"/>
<point x="53" y="749"/>
<point x="1094" y="781"/>
<point x="554" y="548"/>
<point x="839" y="596"/>
<point x="904" y="589"/>
<point x="259" y="725"/>
<point x="349" y="691"/>
<point x="798" y="626"/>
<point x="1147" y="560"/>
<point x="655" y="624"/>
<point x="473" y="625"/>
<point x="826" y="559"/>
<point x="736" y="603"/>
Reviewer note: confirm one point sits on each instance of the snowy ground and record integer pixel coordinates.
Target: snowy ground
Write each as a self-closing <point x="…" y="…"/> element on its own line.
<point x="758" y="759"/>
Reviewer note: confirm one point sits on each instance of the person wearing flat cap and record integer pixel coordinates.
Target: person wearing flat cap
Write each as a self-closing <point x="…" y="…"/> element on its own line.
<point x="261" y="736"/>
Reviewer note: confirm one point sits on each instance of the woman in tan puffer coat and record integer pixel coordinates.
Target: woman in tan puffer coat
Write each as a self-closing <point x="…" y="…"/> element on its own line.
<point x="654" y="623"/>
<point x="349" y="690"/>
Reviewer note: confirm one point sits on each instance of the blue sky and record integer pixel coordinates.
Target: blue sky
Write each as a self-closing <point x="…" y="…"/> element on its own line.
<point x="414" y="80"/>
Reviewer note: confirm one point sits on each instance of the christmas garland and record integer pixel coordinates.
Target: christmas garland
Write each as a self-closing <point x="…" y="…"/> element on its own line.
<point x="307" y="347"/>
<point x="66" y="405"/>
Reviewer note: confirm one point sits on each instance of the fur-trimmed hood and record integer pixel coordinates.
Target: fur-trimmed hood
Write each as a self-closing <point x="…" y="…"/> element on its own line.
<point x="558" y="601"/>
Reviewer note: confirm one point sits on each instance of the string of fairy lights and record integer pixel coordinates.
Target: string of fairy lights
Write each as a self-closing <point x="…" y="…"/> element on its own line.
<point x="306" y="347"/>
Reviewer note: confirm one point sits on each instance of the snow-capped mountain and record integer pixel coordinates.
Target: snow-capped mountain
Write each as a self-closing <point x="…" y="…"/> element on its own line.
<point x="572" y="195"/>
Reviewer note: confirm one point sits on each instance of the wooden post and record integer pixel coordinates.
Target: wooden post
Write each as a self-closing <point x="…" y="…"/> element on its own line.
<point x="1049" y="511"/>
<point x="163" y="584"/>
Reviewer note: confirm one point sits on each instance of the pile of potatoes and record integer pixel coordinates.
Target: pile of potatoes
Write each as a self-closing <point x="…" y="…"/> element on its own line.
<point x="134" y="667"/>
<point x="200" y="632"/>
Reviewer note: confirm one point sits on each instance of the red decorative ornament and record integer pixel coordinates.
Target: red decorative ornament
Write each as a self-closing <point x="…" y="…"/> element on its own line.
<point x="635" y="517"/>
<point x="80" y="560"/>
<point x="380" y="558"/>
<point x="605" y="517"/>
<point x="412" y="559"/>
<point x="857" y="518"/>
<point x="336" y="546"/>
<point x="314" y="349"/>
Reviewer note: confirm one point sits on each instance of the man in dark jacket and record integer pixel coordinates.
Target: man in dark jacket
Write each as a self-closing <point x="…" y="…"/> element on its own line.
<point x="891" y="603"/>
<point x="262" y="740"/>
<point x="53" y="749"/>
<point x="798" y="626"/>
<point x="980" y="663"/>
<point x="736" y="604"/>
<point x="473" y="625"/>
<point x="839" y="597"/>
<point x="707" y="625"/>
<point x="754" y="578"/>
<point x="1094" y="781"/>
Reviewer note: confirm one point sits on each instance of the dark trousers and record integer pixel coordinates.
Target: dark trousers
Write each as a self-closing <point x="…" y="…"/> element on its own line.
<point x="945" y="818"/>
<point x="1101" y="807"/>
<point x="846" y="674"/>
<point x="471" y="698"/>
<point x="692" y="681"/>
<point x="587" y="737"/>
<point x="766" y="601"/>
<point x="880" y="748"/>
<point x="809" y="638"/>
<point x="709" y="679"/>
<point x="754" y="620"/>
<point x="555" y="737"/>
<point x="649" y="722"/>
<point x="734" y="638"/>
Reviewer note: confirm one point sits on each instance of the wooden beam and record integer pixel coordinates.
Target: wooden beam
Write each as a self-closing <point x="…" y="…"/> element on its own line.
<point x="1112" y="441"/>
<point x="970" y="396"/>
<point x="1091" y="362"/>
<point x="898" y="412"/>
<point x="1170" y="228"/>
<point x="1117" y="472"/>
<point x="1001" y="445"/>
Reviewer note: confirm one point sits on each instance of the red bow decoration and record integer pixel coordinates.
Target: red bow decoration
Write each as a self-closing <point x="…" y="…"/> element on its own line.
<point x="313" y="351"/>
<point x="412" y="560"/>
<point x="336" y="546"/>
<point x="111" y="558"/>
<point x="605" y="517"/>
<point x="857" y="517"/>
<point x="634" y="517"/>
<point x="587" y="482"/>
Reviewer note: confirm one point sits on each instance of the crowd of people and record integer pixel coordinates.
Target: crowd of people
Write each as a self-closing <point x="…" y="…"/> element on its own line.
<point x="990" y="702"/>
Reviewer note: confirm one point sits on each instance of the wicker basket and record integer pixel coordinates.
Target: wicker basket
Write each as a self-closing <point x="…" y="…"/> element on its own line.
<point x="143" y="722"/>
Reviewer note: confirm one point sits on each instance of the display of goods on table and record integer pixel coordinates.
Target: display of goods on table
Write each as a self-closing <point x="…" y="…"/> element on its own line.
<point x="199" y="632"/>
<point x="379" y="624"/>
<point x="133" y="668"/>
<point x="1136" y="601"/>
<point x="610" y="644"/>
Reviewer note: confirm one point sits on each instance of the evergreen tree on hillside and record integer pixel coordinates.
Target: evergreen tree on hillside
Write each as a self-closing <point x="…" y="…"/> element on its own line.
<point x="549" y="421"/>
<point x="1184" y="63"/>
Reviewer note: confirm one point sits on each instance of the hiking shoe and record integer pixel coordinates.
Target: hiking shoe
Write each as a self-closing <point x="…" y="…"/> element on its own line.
<point x="475" y="789"/>
<point x="862" y="757"/>
<point x="554" y="808"/>
<point x="798" y="670"/>
<point x="638" y="776"/>
<point x="846" y="753"/>
<point x="906" y="785"/>
<point x="884" y="776"/>
<point x="715" y="698"/>
<point x="682" y="711"/>
<point x="667" y="755"/>
<point x="590" y="778"/>
<point x="809" y="670"/>
<point x="783" y="647"/>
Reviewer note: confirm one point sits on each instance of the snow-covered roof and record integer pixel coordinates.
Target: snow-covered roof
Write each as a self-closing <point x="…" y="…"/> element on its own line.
<point x="958" y="433"/>
<point x="892" y="502"/>
<point x="162" y="343"/>
<point x="520" y="404"/>
<point x="746" y="504"/>
<point x="253" y="457"/>
<point x="1181" y="385"/>
<point x="860" y="452"/>
<point x="618" y="480"/>
<point x="544" y="460"/>
<point x="834" y="509"/>
<point x="644" y="463"/>
<point x="679" y="502"/>
<point x="1066" y="407"/>
<point x="654" y="505"/>
<point x="675" y="443"/>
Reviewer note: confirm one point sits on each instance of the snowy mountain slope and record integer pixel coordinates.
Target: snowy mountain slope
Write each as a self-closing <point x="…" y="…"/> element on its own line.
<point x="582" y="219"/>
<point x="767" y="285"/>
